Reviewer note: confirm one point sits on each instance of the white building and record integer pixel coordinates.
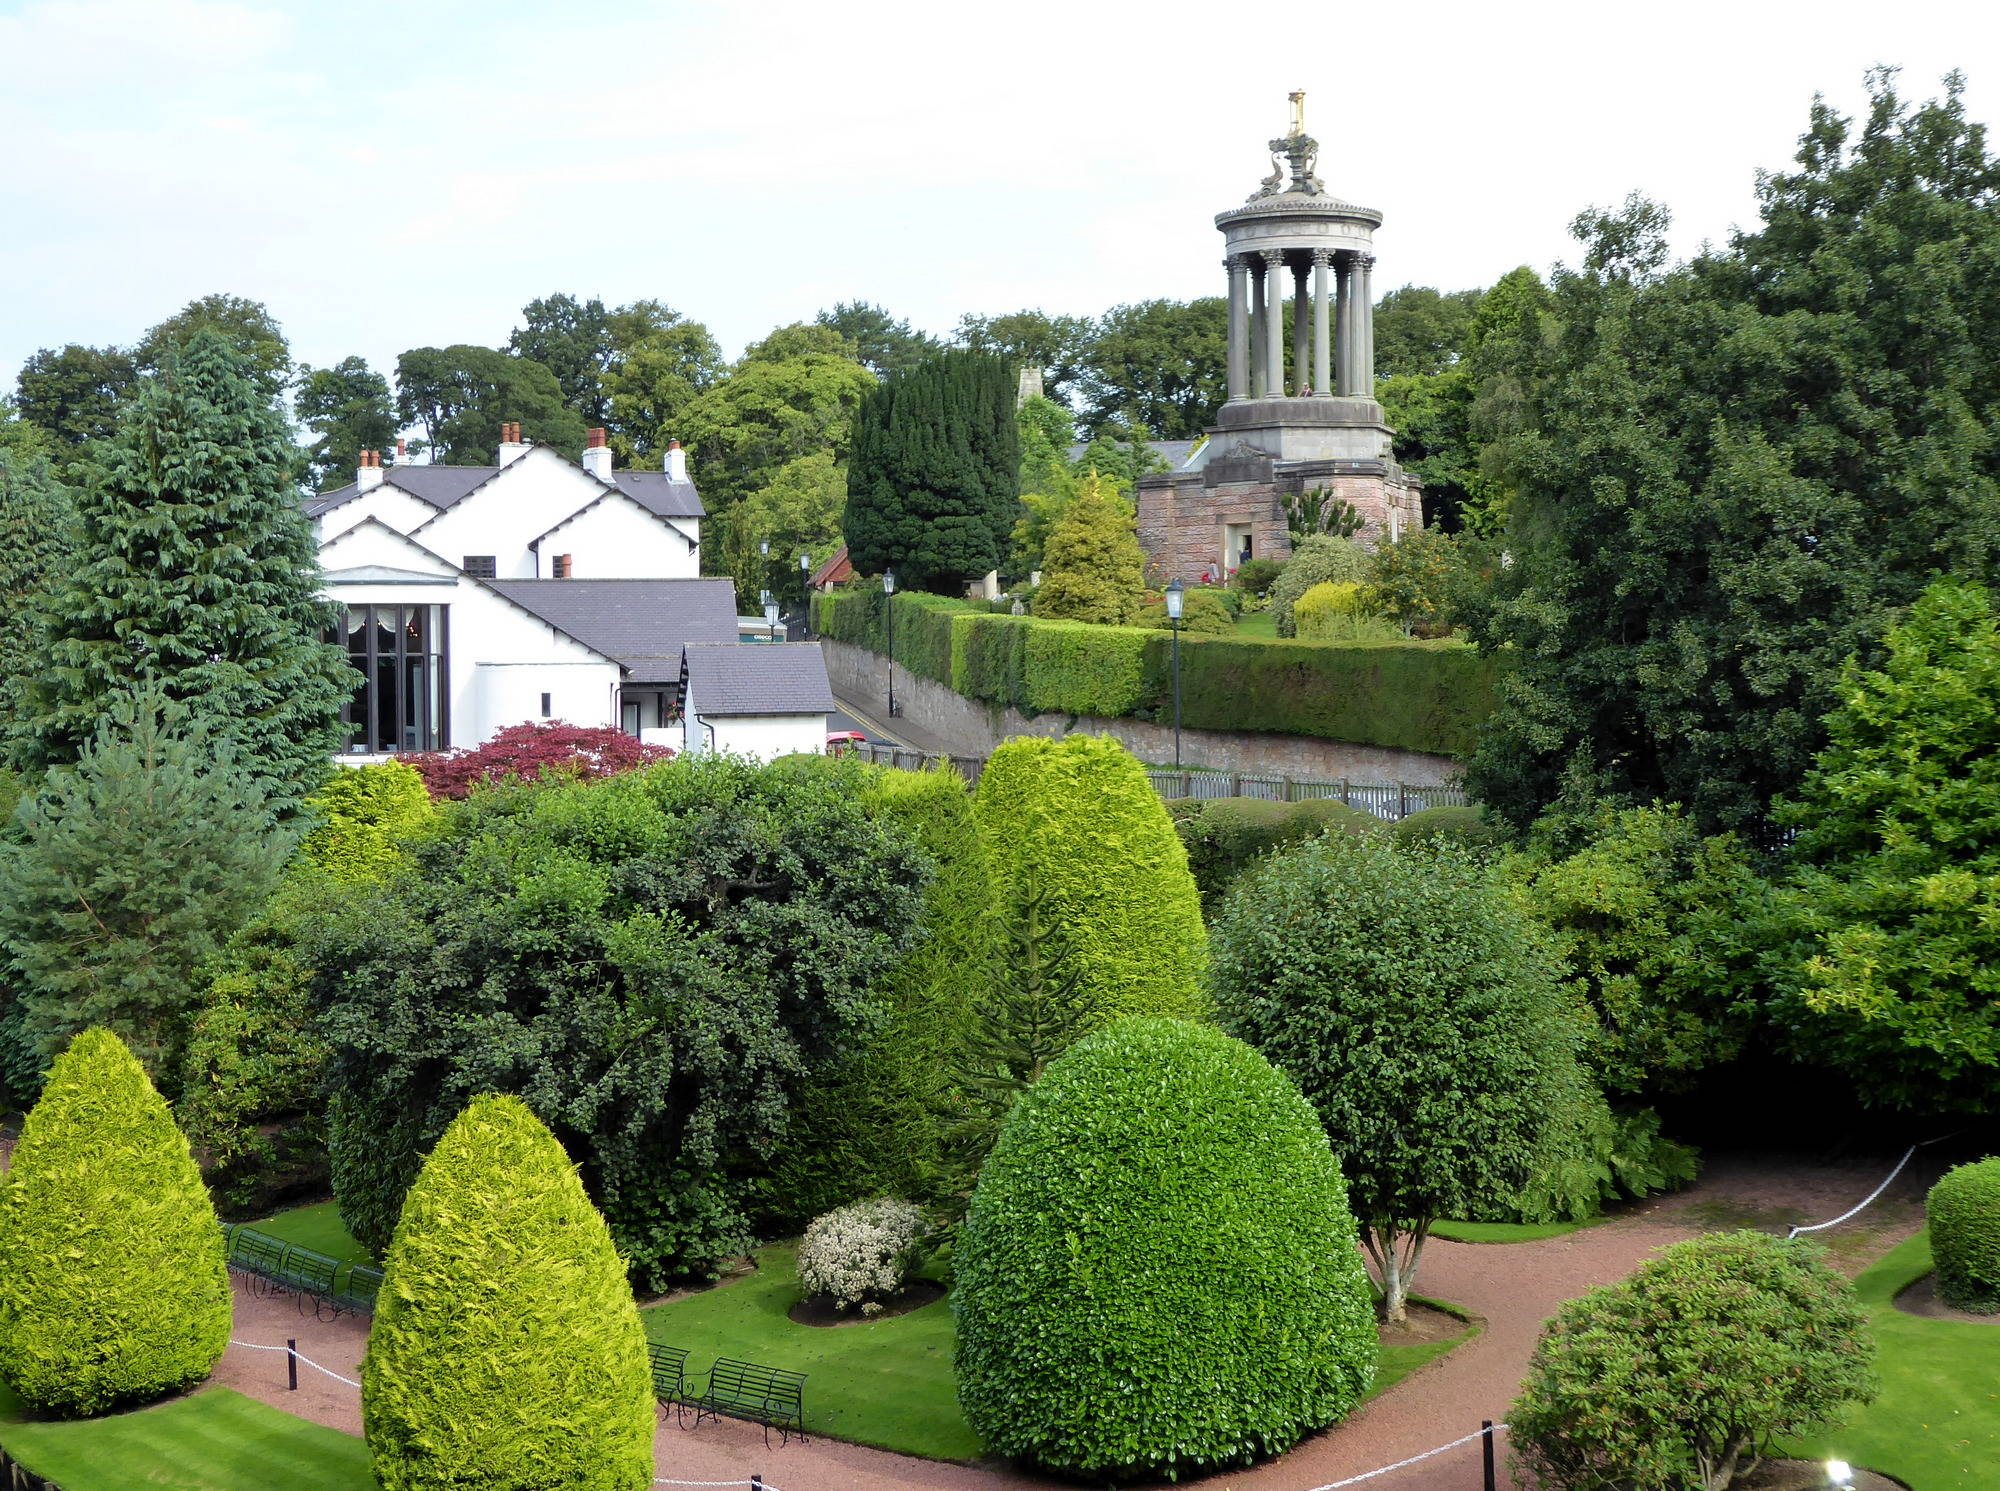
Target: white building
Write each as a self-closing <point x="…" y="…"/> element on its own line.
<point x="764" y="702"/>
<point x="540" y="588"/>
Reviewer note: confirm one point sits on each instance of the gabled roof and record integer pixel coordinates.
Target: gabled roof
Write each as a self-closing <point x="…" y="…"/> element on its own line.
<point x="836" y="571"/>
<point x="430" y="566"/>
<point x="607" y="495"/>
<point x="642" y="624"/>
<point x="748" y="678"/>
<point x="444" y="487"/>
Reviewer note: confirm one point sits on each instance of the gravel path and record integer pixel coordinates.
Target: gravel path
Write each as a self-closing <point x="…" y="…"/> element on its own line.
<point x="1514" y="1286"/>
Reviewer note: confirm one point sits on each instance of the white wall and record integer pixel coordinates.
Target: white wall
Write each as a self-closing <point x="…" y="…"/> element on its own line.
<point x="764" y="737"/>
<point x="524" y="500"/>
<point x="619" y="540"/>
<point x="397" y="508"/>
<point x="504" y="694"/>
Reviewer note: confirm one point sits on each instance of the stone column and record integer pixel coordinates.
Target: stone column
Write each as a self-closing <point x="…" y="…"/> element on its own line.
<point x="1239" y="276"/>
<point x="1345" y="324"/>
<point x="1301" y="329"/>
<point x="1321" y="381"/>
<point x="1274" y="322"/>
<point x="1255" y="349"/>
<point x="1364" y="326"/>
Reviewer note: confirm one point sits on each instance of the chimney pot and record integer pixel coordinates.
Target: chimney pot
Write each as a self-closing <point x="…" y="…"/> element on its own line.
<point x="594" y="439"/>
<point x="402" y="451"/>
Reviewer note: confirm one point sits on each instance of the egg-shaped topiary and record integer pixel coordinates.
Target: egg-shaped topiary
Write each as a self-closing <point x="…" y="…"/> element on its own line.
<point x="1076" y="822"/>
<point x="1158" y="1273"/>
<point x="506" y="1352"/>
<point x="1964" y="1211"/>
<point x="113" y="1288"/>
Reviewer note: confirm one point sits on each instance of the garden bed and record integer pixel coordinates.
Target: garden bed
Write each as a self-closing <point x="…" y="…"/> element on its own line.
<point x="1921" y="1298"/>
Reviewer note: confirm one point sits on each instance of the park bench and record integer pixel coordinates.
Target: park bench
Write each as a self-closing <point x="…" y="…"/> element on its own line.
<point x="769" y="1396"/>
<point x="359" y="1290"/>
<point x="669" y="1374"/>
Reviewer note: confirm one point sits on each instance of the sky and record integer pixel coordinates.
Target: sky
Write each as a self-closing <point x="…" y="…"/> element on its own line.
<point x="386" y="176"/>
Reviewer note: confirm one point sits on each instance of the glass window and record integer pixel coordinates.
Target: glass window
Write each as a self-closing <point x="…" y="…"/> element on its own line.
<point x="399" y="700"/>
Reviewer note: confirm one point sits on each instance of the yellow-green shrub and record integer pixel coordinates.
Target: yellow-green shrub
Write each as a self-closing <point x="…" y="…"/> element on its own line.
<point x="1330" y="612"/>
<point x="362" y="812"/>
<point x="506" y="1351"/>
<point x="1077" y="820"/>
<point x="113" y="1288"/>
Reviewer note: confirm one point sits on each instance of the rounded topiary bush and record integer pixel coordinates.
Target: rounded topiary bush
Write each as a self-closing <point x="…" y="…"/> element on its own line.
<point x="861" y="1254"/>
<point x="1076" y="821"/>
<point x="1467" y="826"/>
<point x="506" y="1351"/>
<point x="1158" y="1272"/>
<point x="1964" y="1211"/>
<point x="113" y="1289"/>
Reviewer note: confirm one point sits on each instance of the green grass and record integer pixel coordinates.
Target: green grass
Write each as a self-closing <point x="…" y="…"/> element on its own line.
<point x="1937" y="1420"/>
<point x="1262" y="624"/>
<point x="886" y="1383"/>
<point x="1506" y="1232"/>
<point x="214" y="1441"/>
<point x="316" y="1227"/>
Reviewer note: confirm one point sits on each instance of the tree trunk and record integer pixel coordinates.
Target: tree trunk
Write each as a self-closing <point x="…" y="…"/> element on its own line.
<point x="1394" y="1248"/>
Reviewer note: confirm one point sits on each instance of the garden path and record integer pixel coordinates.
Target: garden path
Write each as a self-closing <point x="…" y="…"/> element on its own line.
<point x="1515" y="1286"/>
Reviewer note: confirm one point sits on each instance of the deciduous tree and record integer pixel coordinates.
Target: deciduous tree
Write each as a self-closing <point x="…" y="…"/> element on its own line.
<point x="75" y="393"/>
<point x="461" y="395"/>
<point x="349" y="407"/>
<point x="1159" y="363"/>
<point x="882" y="343"/>
<point x="247" y="326"/>
<point x="572" y="339"/>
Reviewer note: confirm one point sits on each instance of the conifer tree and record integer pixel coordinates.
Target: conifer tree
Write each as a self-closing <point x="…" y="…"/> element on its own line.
<point x="35" y="512"/>
<point x="1092" y="566"/>
<point x="115" y="1290"/>
<point x="195" y="569"/>
<point x="506" y="1352"/>
<point x="932" y="484"/>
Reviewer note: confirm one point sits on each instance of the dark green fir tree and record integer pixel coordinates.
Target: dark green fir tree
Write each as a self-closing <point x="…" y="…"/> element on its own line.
<point x="194" y="571"/>
<point x="35" y="512"/>
<point x="933" y="484"/>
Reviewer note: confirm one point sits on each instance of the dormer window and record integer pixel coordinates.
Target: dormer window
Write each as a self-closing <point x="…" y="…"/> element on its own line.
<point x="482" y="566"/>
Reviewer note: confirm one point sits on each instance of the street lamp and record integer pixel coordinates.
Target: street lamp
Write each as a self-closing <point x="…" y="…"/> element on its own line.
<point x="1174" y="593"/>
<point x="806" y="591"/>
<point x="889" y="605"/>
<point x="771" y="614"/>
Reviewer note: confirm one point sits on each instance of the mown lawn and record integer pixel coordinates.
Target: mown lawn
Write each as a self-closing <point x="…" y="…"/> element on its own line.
<point x="216" y="1440"/>
<point x="1506" y="1232"/>
<point x="1936" y="1424"/>
<point x="317" y="1227"/>
<point x="886" y="1383"/>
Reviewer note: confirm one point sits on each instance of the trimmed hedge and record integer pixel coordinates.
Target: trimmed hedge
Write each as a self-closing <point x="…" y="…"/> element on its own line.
<point x="1409" y="694"/>
<point x="1158" y="1274"/>
<point x="1225" y="835"/>
<point x="114" y="1289"/>
<point x="1077" y="821"/>
<point x="1467" y="826"/>
<point x="1964" y="1211"/>
<point x="506" y="1351"/>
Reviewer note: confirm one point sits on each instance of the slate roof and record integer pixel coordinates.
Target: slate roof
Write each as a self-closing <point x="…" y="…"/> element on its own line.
<point x="750" y="678"/>
<point x="1173" y="452"/>
<point x="444" y="486"/>
<point x="659" y="496"/>
<point x="643" y="624"/>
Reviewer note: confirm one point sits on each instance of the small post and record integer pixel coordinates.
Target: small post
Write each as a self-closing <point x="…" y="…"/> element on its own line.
<point x="756" y="1483"/>
<point x="292" y="1363"/>
<point x="1402" y="802"/>
<point x="1486" y="1450"/>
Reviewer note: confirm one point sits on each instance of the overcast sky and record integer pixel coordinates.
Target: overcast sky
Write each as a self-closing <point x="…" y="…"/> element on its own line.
<point x="386" y="176"/>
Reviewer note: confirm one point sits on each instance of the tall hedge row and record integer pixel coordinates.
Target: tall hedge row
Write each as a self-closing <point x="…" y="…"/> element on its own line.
<point x="113" y="1289"/>
<point x="506" y="1352"/>
<point x="1158" y="1272"/>
<point x="1414" y="695"/>
<point x="1076" y="822"/>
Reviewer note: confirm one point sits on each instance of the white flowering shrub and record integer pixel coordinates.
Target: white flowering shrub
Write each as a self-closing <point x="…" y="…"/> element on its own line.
<point x="860" y="1254"/>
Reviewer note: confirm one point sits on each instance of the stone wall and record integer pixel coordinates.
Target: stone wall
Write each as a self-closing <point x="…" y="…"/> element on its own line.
<point x="971" y="727"/>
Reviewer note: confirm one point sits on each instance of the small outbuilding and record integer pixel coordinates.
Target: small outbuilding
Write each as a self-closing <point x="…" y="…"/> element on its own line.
<point x="762" y="702"/>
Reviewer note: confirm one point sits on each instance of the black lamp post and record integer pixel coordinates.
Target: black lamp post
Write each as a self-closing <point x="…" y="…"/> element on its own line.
<point x="1174" y="592"/>
<point x="771" y="614"/>
<point x="889" y="605"/>
<point x="806" y="591"/>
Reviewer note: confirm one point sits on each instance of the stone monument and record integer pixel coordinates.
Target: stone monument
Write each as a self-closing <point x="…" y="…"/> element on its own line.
<point x="1288" y="427"/>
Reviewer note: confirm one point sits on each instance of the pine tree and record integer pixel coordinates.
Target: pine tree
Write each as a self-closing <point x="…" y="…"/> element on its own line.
<point x="932" y="484"/>
<point x="195" y="569"/>
<point x="507" y="1352"/>
<point x="1092" y="566"/>
<point x="35" y="514"/>
<point x="115" y="1290"/>
<point x="129" y="871"/>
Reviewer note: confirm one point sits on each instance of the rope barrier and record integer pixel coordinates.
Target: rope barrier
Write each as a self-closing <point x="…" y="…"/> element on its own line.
<point x="1877" y="1192"/>
<point x="297" y="1355"/>
<point x="1369" y="1475"/>
<point x="756" y="1483"/>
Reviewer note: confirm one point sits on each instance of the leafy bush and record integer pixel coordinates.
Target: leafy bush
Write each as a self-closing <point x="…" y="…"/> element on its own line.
<point x="127" y="873"/>
<point x="1417" y="580"/>
<point x="1660" y="928"/>
<point x="861" y="1254"/>
<point x="1687" y="1372"/>
<point x="1202" y="611"/>
<point x="1323" y="557"/>
<point x="1077" y="821"/>
<point x="654" y="962"/>
<point x="1226" y="835"/>
<point x="1467" y="826"/>
<point x="115" y="1291"/>
<point x="1412" y="1001"/>
<point x="868" y="1125"/>
<point x="506" y="1350"/>
<point x="529" y="751"/>
<point x="1157" y="1274"/>
<point x="1258" y="576"/>
<point x="362" y="812"/>
<point x="1614" y="1156"/>
<point x="1342" y="612"/>
<point x="1964" y="1212"/>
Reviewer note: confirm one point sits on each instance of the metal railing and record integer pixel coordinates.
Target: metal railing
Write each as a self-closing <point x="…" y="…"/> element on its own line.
<point x="1388" y="801"/>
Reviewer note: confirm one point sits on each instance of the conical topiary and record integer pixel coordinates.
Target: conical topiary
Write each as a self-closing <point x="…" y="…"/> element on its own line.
<point x="507" y="1352"/>
<point x="1076" y="822"/>
<point x="113" y="1289"/>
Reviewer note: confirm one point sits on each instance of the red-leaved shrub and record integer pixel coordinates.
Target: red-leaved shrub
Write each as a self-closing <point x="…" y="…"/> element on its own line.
<point x="530" y="750"/>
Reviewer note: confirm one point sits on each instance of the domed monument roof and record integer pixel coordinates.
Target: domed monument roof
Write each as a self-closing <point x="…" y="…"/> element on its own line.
<point x="1292" y="208"/>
